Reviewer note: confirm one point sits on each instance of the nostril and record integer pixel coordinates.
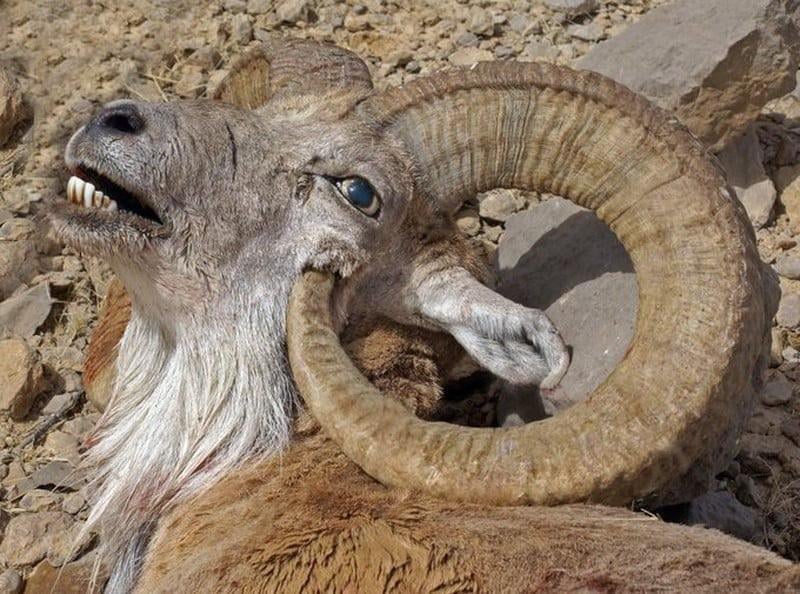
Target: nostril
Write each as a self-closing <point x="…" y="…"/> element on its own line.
<point x="122" y="118"/>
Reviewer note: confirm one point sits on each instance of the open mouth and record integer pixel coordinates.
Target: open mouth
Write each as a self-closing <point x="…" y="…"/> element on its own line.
<point x="89" y="189"/>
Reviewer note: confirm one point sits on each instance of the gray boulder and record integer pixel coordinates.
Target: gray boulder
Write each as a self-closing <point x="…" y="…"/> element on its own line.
<point x="714" y="63"/>
<point x="561" y="258"/>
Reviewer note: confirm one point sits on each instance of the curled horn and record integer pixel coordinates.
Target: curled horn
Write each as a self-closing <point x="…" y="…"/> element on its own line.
<point x="292" y="68"/>
<point x="682" y="392"/>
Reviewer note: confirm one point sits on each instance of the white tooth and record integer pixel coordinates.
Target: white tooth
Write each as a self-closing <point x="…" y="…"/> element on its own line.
<point x="112" y="205"/>
<point x="70" y="188"/>
<point x="88" y="192"/>
<point x="77" y="191"/>
<point x="97" y="199"/>
<point x="104" y="201"/>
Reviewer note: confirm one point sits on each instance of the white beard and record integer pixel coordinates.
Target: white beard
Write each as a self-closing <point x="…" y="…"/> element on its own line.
<point x="190" y="404"/>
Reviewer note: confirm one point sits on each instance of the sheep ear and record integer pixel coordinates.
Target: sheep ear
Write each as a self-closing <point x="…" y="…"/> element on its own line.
<point x="285" y="67"/>
<point x="516" y="343"/>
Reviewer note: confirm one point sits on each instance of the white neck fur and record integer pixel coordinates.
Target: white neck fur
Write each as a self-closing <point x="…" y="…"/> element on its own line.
<point x="190" y="403"/>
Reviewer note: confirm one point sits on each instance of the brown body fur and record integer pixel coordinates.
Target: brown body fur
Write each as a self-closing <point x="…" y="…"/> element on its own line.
<point x="312" y="521"/>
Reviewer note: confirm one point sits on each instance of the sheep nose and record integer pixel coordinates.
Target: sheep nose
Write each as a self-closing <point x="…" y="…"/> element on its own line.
<point x="120" y="118"/>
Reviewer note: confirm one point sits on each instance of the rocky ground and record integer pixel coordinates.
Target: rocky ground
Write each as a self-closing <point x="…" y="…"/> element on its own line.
<point x="66" y="58"/>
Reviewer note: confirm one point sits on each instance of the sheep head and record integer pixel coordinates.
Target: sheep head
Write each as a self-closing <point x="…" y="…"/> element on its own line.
<point x="209" y="212"/>
<point x="200" y="206"/>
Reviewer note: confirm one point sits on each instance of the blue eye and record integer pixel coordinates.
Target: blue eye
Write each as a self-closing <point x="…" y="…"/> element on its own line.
<point x="360" y="193"/>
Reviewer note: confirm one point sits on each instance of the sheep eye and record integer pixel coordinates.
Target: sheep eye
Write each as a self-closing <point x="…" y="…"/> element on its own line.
<point x="360" y="193"/>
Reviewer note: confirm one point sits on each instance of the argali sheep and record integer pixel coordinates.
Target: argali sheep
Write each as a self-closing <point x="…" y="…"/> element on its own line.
<point x="246" y="237"/>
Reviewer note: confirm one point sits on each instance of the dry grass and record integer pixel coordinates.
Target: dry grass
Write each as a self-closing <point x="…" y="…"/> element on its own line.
<point x="782" y="517"/>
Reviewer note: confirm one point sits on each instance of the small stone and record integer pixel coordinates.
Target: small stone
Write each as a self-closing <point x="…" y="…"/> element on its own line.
<point x="518" y="405"/>
<point x="241" y="29"/>
<point x="399" y="57"/>
<point x="16" y="229"/>
<point x="38" y="500"/>
<point x="59" y="404"/>
<point x="766" y="420"/>
<point x="73" y="503"/>
<point x="746" y="488"/>
<point x="57" y="474"/>
<point x="480" y="21"/>
<point x="790" y="427"/>
<point x="734" y="468"/>
<point x="22" y="314"/>
<point x="787" y="179"/>
<point x="788" y="266"/>
<point x="572" y="7"/>
<point x="81" y="426"/>
<point x="191" y="83"/>
<point x="10" y="582"/>
<point x="63" y="445"/>
<point x="467" y="39"/>
<point x="72" y="578"/>
<point x="19" y="263"/>
<point x="788" y="314"/>
<point x="778" y="343"/>
<point x="16" y="474"/>
<point x="493" y="233"/>
<point x="30" y="537"/>
<point x="21" y="377"/>
<point x="413" y="67"/>
<point x="498" y="205"/>
<point x="468" y="222"/>
<point x="518" y="23"/>
<point x="540" y="50"/>
<point x="468" y="56"/>
<point x="503" y="51"/>
<point x="590" y="32"/>
<point x="12" y="108"/>
<point x="234" y="6"/>
<point x="292" y="11"/>
<point x="742" y="161"/>
<point x="778" y="391"/>
<point x="791" y="354"/>
<point x="256" y="7"/>
<point x="721" y="510"/>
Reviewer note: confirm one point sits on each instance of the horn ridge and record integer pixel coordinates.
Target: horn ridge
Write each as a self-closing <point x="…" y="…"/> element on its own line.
<point x="671" y="411"/>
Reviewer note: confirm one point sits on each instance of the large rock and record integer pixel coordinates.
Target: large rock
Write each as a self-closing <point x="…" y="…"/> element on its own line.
<point x="742" y="161"/>
<point x="788" y="314"/>
<point x="22" y="314"/>
<point x="721" y="510"/>
<point x="10" y="582"/>
<point x="715" y="63"/>
<point x="561" y="258"/>
<point x="572" y="7"/>
<point x="31" y="537"/>
<point x="18" y="264"/>
<point x="497" y="205"/>
<point x="787" y="179"/>
<point x="21" y="377"/>
<point x="12" y="107"/>
<point x="292" y="11"/>
<point x="72" y="578"/>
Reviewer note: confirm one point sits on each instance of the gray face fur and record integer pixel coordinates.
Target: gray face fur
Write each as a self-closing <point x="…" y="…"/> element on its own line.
<point x="235" y="204"/>
<point x="245" y="198"/>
